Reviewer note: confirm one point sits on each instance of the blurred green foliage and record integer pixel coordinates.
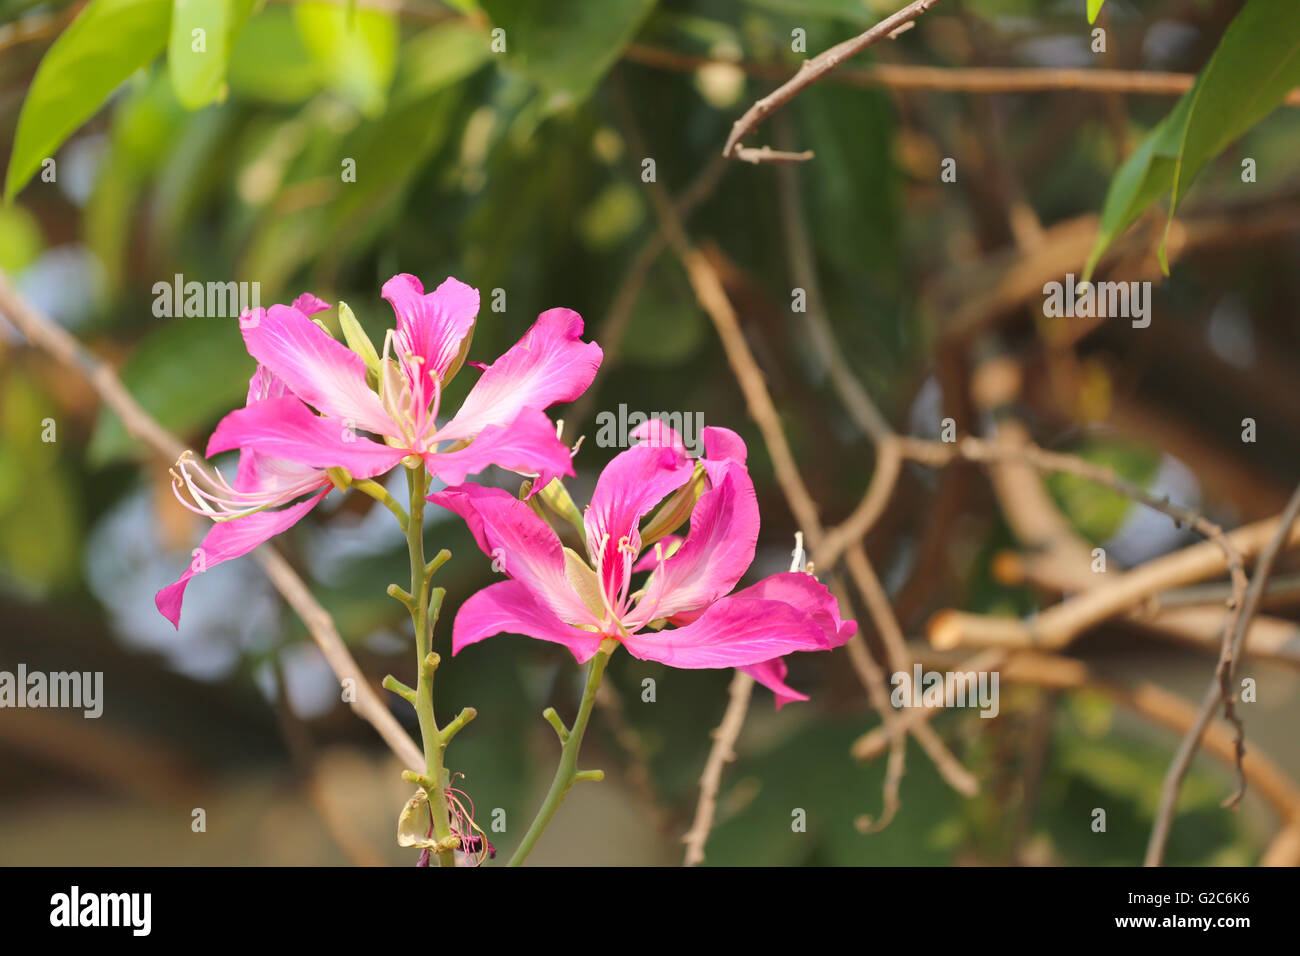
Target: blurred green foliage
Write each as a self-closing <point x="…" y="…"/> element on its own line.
<point x="513" y="167"/>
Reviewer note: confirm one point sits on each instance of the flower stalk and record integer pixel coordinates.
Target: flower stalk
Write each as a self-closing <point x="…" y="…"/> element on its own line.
<point x="425" y="603"/>
<point x="567" y="773"/>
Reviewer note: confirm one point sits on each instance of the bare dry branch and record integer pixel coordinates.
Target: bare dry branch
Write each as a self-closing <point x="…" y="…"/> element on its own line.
<point x="1220" y="690"/>
<point x="812" y="71"/>
<point x="722" y="753"/>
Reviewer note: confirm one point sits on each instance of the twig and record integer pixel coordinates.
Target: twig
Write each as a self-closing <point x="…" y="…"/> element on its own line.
<point x="1221" y="691"/>
<point x="811" y="71"/>
<point x="1280" y="585"/>
<point x="1060" y="624"/>
<point x="948" y="79"/>
<point x="720" y="754"/>
<point x="44" y="333"/>
<point x="1145" y="699"/>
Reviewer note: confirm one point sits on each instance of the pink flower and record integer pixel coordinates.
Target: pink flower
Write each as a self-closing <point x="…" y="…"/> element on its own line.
<point x="311" y="395"/>
<point x="500" y="423"/>
<point x="552" y="594"/>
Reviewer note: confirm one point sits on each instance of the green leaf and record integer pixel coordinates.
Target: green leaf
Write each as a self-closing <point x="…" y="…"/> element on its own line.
<point x="565" y="46"/>
<point x="357" y="59"/>
<point x="198" y="50"/>
<point x="439" y="57"/>
<point x="20" y="239"/>
<point x="1094" y="8"/>
<point x="270" y="62"/>
<point x="1141" y="180"/>
<point x="107" y="42"/>
<point x="1255" y="65"/>
<point x="39" y="508"/>
<point x="186" y="374"/>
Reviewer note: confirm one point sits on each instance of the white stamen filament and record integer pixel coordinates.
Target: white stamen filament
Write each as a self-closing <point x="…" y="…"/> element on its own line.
<point x="220" y="501"/>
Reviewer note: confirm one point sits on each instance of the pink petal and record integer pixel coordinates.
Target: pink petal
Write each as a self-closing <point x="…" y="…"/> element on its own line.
<point x="722" y="448"/>
<point x="231" y="539"/>
<point x="526" y="445"/>
<point x="510" y="607"/>
<point x="734" y="632"/>
<point x="286" y="428"/>
<point x="771" y="674"/>
<point x="309" y="304"/>
<point x="524" y="546"/>
<point x="632" y="483"/>
<point x="805" y="592"/>
<point x="265" y="384"/>
<point x="657" y="432"/>
<point x="261" y="473"/>
<point x="722" y="443"/>
<point x="549" y="364"/>
<point x="321" y="371"/>
<point x="432" y="326"/>
<point x="717" y="552"/>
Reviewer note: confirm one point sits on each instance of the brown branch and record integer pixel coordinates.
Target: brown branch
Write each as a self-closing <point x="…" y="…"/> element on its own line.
<point x="1220" y="690"/>
<point x="44" y="333"/>
<point x="981" y="80"/>
<point x="811" y="71"/>
<point x="1160" y="706"/>
<point x="722" y="753"/>
<point x="1187" y="616"/>
<point x="1062" y="623"/>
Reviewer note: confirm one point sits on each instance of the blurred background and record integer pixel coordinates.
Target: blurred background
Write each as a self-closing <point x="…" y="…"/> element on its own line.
<point x="525" y="171"/>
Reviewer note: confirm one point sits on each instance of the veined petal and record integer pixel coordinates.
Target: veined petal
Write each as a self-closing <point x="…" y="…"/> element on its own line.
<point x="733" y="632"/>
<point x="718" y="550"/>
<point x="318" y="369"/>
<point x="525" y="547"/>
<point x="509" y="607"/>
<point x="723" y="443"/>
<point x="807" y="594"/>
<point x="259" y="473"/>
<point x="265" y="384"/>
<point x="771" y="674"/>
<point x="549" y="364"/>
<point x="721" y="447"/>
<point x="526" y="445"/>
<point x="432" y="325"/>
<point x="231" y="539"/>
<point x="286" y="428"/>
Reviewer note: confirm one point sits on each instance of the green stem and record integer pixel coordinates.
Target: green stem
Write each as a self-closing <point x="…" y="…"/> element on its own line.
<point x="424" y="614"/>
<point x="377" y="491"/>
<point x="567" y="774"/>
